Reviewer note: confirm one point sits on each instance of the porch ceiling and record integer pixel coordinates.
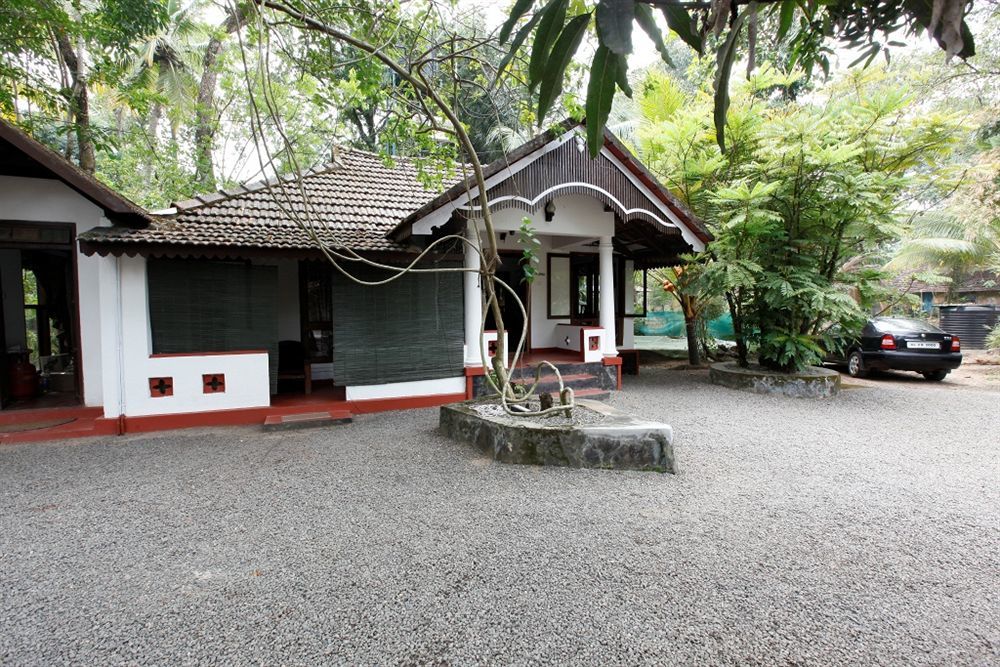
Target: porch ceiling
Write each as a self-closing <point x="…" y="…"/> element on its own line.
<point x="648" y="244"/>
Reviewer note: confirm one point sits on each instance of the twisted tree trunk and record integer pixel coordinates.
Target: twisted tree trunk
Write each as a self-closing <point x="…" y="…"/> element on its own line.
<point x="79" y="101"/>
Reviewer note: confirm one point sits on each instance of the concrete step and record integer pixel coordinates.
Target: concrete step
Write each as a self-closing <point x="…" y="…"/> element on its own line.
<point x="307" y="420"/>
<point x="565" y="368"/>
<point x="75" y="428"/>
<point x="592" y="394"/>
<point x="550" y="382"/>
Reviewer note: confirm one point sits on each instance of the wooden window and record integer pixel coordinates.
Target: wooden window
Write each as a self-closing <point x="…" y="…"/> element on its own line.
<point x="574" y="288"/>
<point x="316" y="287"/>
<point x="585" y="280"/>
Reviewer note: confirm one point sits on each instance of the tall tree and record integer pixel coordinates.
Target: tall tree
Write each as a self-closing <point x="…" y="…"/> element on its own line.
<point x="73" y="45"/>
<point x="205" y="112"/>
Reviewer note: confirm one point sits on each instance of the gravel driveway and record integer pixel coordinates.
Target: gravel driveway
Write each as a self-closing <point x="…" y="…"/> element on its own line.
<point x="861" y="530"/>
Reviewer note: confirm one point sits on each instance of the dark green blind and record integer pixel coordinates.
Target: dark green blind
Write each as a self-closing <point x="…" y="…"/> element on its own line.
<point x="410" y="329"/>
<point x="205" y="306"/>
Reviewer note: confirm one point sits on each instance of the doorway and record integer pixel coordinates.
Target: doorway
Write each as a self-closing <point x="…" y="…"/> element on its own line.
<point x="511" y="271"/>
<point x="39" y="322"/>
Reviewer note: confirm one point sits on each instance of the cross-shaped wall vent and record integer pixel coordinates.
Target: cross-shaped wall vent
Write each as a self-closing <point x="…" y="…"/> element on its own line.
<point x="213" y="383"/>
<point x="159" y="387"/>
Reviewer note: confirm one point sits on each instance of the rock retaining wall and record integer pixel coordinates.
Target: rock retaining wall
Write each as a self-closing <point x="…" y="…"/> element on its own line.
<point x="618" y="441"/>
<point x="815" y="382"/>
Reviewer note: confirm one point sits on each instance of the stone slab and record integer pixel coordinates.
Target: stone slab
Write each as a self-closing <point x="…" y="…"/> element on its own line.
<point x="619" y="441"/>
<point x="306" y="420"/>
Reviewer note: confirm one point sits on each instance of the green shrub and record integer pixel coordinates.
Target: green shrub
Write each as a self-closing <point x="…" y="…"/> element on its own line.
<point x="993" y="340"/>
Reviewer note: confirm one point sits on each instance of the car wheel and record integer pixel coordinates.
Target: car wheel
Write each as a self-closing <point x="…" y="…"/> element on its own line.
<point x="856" y="365"/>
<point x="935" y="376"/>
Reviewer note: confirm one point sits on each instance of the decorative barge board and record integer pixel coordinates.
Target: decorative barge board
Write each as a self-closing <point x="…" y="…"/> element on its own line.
<point x="598" y="436"/>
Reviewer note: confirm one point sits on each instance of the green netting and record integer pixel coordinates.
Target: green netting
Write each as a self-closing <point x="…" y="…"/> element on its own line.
<point x="671" y="323"/>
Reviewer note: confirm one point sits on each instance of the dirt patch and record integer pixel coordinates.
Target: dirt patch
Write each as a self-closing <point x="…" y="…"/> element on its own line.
<point x="979" y="370"/>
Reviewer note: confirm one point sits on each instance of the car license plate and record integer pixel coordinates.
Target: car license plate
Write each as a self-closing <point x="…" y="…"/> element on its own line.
<point x="922" y="345"/>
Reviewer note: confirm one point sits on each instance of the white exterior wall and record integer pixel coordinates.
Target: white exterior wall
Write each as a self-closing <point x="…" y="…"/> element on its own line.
<point x="49" y="200"/>
<point x="578" y="220"/>
<point x="405" y="389"/>
<point x="247" y="381"/>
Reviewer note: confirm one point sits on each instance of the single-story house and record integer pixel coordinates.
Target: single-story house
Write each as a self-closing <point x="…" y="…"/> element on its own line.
<point x="221" y="309"/>
<point x="980" y="287"/>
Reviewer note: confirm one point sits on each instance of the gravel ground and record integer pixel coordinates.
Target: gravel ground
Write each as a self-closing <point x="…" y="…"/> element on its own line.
<point x="856" y="531"/>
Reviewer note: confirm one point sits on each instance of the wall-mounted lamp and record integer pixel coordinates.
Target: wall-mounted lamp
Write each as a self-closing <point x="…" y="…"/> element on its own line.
<point x="550" y="211"/>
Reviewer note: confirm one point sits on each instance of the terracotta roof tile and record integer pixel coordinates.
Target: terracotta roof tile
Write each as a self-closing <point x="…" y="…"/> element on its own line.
<point x="353" y="203"/>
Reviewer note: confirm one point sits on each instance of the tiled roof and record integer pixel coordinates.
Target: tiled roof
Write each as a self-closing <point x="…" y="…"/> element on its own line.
<point x="358" y="202"/>
<point x="352" y="203"/>
<point x="978" y="281"/>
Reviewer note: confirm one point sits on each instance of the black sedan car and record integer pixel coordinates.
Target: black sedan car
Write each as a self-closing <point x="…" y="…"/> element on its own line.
<point x="900" y="343"/>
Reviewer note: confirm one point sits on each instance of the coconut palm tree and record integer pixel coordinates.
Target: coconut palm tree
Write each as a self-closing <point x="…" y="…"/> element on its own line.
<point x="167" y="63"/>
<point x="964" y="235"/>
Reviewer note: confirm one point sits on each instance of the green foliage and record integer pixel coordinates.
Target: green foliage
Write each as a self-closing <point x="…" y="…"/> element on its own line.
<point x="993" y="339"/>
<point x="802" y="204"/>
<point x="530" y="259"/>
<point x="861" y="26"/>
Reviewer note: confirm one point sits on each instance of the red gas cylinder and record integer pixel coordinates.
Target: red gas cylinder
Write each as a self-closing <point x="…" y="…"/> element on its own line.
<point x="23" y="377"/>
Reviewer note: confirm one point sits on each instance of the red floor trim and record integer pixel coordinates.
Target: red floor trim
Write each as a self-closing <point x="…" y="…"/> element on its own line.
<point x="405" y="403"/>
<point x="20" y="416"/>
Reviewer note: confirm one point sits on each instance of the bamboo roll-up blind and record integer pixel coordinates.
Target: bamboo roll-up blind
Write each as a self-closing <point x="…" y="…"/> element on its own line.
<point x="209" y="306"/>
<point x="409" y="329"/>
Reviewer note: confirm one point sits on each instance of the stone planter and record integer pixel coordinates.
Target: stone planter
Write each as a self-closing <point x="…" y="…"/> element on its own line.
<point x="814" y="382"/>
<point x="612" y="439"/>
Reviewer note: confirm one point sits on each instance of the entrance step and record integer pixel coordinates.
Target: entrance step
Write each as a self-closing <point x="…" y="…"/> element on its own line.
<point x="550" y="382"/>
<point x="579" y="376"/>
<point x="592" y="394"/>
<point x="307" y="420"/>
<point x="56" y="429"/>
<point x="41" y="414"/>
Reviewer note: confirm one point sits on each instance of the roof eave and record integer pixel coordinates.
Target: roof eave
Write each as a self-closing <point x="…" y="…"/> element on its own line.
<point x="116" y="207"/>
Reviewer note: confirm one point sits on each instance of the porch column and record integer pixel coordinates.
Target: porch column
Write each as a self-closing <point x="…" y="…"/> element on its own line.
<point x="473" y="298"/>
<point x="607" y="306"/>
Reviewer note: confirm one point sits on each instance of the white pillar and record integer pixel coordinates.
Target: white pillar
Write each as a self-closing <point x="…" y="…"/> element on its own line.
<point x="473" y="298"/>
<point x="607" y="306"/>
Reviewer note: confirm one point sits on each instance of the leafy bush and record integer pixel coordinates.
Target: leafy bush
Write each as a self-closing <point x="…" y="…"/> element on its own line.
<point x="993" y="340"/>
<point x="801" y="204"/>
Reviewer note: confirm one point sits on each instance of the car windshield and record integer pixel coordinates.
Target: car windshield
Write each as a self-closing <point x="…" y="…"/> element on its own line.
<point x="904" y="324"/>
